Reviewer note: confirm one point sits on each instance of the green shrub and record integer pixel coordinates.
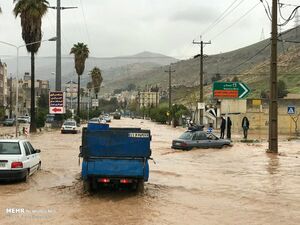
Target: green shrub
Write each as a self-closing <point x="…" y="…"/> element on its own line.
<point x="159" y="114"/>
<point x="41" y="118"/>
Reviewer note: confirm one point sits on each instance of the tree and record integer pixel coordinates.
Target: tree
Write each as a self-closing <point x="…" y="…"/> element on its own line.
<point x="216" y="77"/>
<point x="235" y="79"/>
<point x="282" y="89"/>
<point x="43" y="101"/>
<point x="263" y="94"/>
<point x="81" y="53"/>
<point x="131" y="87"/>
<point x="96" y="80"/>
<point x="31" y="13"/>
<point x="42" y="109"/>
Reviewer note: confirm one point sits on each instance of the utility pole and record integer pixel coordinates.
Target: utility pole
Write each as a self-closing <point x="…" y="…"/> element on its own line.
<point x="170" y="71"/>
<point x="10" y="96"/>
<point x="201" y="43"/>
<point x="58" y="43"/>
<point x="273" y="105"/>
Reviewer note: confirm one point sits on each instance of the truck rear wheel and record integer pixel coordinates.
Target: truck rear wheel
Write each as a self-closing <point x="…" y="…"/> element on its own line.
<point x="87" y="185"/>
<point x="140" y="186"/>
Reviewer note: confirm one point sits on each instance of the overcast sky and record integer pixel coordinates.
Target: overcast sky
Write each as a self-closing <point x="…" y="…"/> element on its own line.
<point x="126" y="27"/>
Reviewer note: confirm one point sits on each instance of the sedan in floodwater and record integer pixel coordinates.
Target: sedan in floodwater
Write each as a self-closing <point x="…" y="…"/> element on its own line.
<point x="199" y="139"/>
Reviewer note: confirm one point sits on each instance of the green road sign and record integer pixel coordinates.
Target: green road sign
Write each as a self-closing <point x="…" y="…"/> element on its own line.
<point x="232" y="90"/>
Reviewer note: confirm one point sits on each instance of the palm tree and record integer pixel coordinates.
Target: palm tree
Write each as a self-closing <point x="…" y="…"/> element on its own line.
<point x="31" y="13"/>
<point x="81" y="53"/>
<point x="96" y="80"/>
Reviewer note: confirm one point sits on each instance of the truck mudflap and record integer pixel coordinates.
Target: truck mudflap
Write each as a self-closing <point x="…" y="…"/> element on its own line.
<point x="136" y="168"/>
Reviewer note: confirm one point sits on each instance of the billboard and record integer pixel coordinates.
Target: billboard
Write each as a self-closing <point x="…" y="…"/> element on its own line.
<point x="57" y="102"/>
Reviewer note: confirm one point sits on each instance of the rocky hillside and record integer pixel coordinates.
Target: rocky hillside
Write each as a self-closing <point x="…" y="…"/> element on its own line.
<point x="249" y="64"/>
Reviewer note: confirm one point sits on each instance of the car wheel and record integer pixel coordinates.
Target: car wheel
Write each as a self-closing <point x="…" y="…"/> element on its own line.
<point x="25" y="178"/>
<point x="39" y="166"/>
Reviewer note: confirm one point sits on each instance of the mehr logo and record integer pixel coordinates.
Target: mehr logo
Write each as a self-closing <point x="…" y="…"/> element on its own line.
<point x="138" y="135"/>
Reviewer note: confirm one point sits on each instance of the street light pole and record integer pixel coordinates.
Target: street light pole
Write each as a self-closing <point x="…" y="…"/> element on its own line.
<point x="17" y="76"/>
<point x="58" y="9"/>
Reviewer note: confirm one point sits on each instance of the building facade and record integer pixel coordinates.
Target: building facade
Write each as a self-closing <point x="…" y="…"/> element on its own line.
<point x="148" y="99"/>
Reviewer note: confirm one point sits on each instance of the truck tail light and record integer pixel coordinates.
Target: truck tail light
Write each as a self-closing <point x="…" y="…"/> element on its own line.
<point x="16" y="165"/>
<point x="125" y="181"/>
<point x="103" y="180"/>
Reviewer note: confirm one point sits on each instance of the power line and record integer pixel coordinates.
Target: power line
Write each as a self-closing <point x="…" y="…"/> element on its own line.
<point x="85" y="23"/>
<point x="292" y="15"/>
<point x="250" y="58"/>
<point x="235" y="22"/>
<point x="222" y="16"/>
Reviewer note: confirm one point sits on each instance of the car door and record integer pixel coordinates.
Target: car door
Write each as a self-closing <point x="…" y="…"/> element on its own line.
<point x="214" y="141"/>
<point x="34" y="157"/>
<point x="28" y="160"/>
<point x="200" y="140"/>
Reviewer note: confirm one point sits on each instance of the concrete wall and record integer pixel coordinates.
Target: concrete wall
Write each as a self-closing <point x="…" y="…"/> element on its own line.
<point x="259" y="121"/>
<point x="258" y="115"/>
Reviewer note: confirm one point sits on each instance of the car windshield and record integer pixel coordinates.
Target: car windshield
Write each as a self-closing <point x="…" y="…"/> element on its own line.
<point x="9" y="120"/>
<point x="9" y="148"/>
<point x="69" y="123"/>
<point x="186" y="136"/>
<point x="94" y="120"/>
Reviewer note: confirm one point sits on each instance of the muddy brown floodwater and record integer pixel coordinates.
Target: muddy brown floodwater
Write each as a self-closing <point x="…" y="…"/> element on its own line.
<point x="237" y="185"/>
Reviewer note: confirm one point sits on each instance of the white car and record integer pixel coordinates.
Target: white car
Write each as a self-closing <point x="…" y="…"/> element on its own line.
<point x="24" y="119"/>
<point x="97" y="120"/>
<point x="69" y="126"/>
<point x="18" y="159"/>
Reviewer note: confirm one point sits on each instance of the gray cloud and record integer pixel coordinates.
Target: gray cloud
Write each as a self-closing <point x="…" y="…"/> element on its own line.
<point x="195" y="14"/>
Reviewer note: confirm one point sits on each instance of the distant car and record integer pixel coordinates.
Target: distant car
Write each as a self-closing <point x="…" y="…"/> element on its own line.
<point x="18" y="160"/>
<point x="117" y="116"/>
<point x="9" y="122"/>
<point x="107" y="118"/>
<point x="69" y="126"/>
<point x="95" y="120"/>
<point x="24" y="119"/>
<point x="199" y="139"/>
<point x="50" y="118"/>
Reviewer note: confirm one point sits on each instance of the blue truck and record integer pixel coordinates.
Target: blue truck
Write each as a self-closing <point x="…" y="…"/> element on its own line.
<point x="114" y="156"/>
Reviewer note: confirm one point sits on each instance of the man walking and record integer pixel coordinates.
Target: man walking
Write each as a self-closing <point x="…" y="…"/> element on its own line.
<point x="245" y="126"/>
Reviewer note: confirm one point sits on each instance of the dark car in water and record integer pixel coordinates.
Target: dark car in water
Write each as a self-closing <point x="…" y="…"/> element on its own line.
<point x="199" y="139"/>
<point x="9" y="122"/>
<point x="117" y="116"/>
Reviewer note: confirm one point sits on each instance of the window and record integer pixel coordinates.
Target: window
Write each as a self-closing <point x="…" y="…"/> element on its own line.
<point x="199" y="136"/>
<point x="186" y="136"/>
<point x="26" y="149"/>
<point x="31" y="148"/>
<point x="10" y="148"/>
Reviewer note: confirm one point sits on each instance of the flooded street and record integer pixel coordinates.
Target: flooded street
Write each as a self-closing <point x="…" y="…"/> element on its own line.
<point x="237" y="185"/>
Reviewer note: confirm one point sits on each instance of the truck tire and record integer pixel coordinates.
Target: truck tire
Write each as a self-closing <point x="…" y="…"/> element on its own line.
<point x="140" y="186"/>
<point x="87" y="185"/>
